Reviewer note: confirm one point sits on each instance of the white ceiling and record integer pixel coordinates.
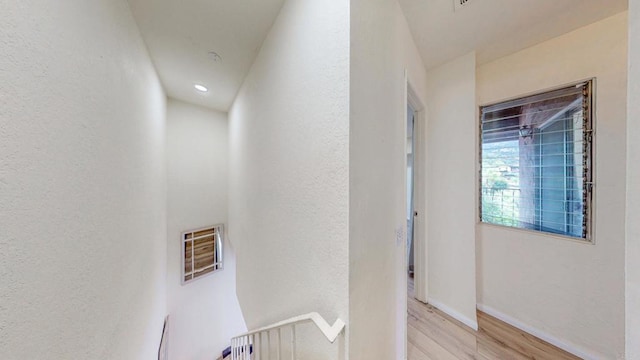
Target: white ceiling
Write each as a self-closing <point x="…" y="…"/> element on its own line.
<point x="180" y="35"/>
<point x="495" y="28"/>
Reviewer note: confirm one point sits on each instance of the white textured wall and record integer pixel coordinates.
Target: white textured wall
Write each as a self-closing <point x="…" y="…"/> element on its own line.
<point x="572" y="291"/>
<point x="452" y="146"/>
<point x="205" y="313"/>
<point x="381" y="50"/>
<point x="82" y="183"/>
<point x="289" y="168"/>
<point x="633" y="186"/>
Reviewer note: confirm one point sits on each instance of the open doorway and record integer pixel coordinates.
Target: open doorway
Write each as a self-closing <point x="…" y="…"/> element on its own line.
<point x="416" y="249"/>
<point x="411" y="211"/>
<point x="414" y="262"/>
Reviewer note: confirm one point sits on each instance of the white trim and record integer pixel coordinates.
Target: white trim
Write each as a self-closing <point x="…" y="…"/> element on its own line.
<point x="419" y="243"/>
<point x="562" y="344"/>
<point x="402" y="325"/>
<point x="537" y="233"/>
<point x="454" y="314"/>
<point x="218" y="239"/>
<point x="420" y="260"/>
<point x="217" y="265"/>
<point x="537" y="92"/>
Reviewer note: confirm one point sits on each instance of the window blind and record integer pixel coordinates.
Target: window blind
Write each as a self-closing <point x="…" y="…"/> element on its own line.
<point x="536" y="162"/>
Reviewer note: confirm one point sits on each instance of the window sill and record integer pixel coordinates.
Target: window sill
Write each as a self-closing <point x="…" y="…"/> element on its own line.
<point x="535" y="233"/>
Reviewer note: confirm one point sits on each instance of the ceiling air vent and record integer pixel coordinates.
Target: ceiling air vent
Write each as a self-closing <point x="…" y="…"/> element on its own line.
<point x="459" y="4"/>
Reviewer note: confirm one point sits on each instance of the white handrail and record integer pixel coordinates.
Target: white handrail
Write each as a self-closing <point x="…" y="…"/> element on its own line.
<point x="330" y="332"/>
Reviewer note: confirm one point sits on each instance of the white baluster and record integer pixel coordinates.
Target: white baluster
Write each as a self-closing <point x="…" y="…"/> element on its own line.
<point x="247" y="351"/>
<point x="251" y="346"/>
<point x="257" y="349"/>
<point x="293" y="342"/>
<point x="244" y="348"/>
<point x="252" y="353"/>
<point x="262" y="346"/>
<point x="279" y="342"/>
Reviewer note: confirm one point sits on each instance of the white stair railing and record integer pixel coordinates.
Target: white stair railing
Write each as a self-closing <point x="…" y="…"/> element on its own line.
<point x="256" y="344"/>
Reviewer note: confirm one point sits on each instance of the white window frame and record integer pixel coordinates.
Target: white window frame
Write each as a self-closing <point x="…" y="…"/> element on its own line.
<point x="588" y="183"/>
<point x="219" y="249"/>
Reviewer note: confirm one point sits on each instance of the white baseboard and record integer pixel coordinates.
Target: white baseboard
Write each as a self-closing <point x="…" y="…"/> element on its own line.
<point x="472" y="323"/>
<point x="562" y="344"/>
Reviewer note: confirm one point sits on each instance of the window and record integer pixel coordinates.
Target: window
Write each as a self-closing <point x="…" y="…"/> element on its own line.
<point x="201" y="252"/>
<point x="536" y="162"/>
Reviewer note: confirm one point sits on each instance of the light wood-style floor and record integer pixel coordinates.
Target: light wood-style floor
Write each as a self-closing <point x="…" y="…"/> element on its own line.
<point x="433" y="335"/>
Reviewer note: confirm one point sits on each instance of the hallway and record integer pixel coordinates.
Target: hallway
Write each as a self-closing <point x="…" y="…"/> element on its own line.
<point x="434" y="335"/>
<point x="147" y="142"/>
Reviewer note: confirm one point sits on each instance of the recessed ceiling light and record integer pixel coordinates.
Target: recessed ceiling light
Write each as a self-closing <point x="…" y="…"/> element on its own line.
<point x="201" y="88"/>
